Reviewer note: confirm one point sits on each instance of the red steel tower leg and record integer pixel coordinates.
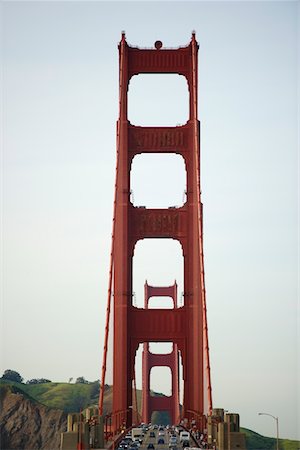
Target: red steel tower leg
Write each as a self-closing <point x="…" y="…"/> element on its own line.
<point x="182" y="326"/>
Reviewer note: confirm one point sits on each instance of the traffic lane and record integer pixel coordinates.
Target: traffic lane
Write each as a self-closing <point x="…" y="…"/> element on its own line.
<point x="154" y="440"/>
<point x="157" y="446"/>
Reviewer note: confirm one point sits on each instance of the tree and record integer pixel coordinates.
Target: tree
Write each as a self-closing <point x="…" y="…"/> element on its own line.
<point x="80" y="402"/>
<point x="95" y="389"/>
<point x="12" y="375"/>
<point x="81" y="380"/>
<point x="38" y="381"/>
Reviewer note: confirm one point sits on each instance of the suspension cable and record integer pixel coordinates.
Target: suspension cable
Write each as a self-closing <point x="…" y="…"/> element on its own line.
<point x="111" y="266"/>
<point x="200" y="225"/>
<point x="135" y="399"/>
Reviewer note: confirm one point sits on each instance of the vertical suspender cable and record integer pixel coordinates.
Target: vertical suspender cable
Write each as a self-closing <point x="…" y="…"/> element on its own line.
<point x="135" y="399"/>
<point x="108" y="307"/>
<point x="111" y="267"/>
<point x="200" y="225"/>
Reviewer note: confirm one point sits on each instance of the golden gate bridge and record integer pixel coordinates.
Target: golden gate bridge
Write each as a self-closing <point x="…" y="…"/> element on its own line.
<point x="128" y="326"/>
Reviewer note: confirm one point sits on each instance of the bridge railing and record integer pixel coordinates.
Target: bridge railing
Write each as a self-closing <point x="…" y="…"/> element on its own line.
<point x="195" y="420"/>
<point x="115" y="426"/>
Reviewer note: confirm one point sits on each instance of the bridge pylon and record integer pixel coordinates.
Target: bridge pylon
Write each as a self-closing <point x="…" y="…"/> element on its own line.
<point x="150" y="360"/>
<point x="185" y="326"/>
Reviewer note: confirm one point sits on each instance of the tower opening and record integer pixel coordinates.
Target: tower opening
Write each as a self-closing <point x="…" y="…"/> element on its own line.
<point x="158" y="181"/>
<point x="161" y="381"/>
<point x="160" y="262"/>
<point x="158" y="100"/>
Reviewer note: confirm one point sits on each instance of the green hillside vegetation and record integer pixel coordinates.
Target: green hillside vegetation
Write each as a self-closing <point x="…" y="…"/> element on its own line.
<point x="5" y="388"/>
<point x="255" y="441"/>
<point x="73" y="397"/>
<point x="66" y="396"/>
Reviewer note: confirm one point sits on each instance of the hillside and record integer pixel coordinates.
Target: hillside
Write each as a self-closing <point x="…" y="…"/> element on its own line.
<point x="25" y="424"/>
<point x="255" y="441"/>
<point x="65" y="396"/>
<point x="43" y="407"/>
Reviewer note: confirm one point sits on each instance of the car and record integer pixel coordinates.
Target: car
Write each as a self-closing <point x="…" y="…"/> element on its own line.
<point x="150" y="447"/>
<point x="185" y="444"/>
<point x="172" y="441"/>
<point x="160" y="441"/>
<point x="184" y="436"/>
<point x="152" y="434"/>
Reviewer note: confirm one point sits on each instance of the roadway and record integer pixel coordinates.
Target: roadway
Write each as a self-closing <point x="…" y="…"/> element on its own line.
<point x="154" y="440"/>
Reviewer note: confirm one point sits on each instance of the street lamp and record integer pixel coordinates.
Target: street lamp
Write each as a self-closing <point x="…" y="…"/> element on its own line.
<point x="277" y="427"/>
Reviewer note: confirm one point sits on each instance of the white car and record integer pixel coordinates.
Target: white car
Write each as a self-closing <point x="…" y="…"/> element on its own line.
<point x="184" y="436"/>
<point x="172" y="441"/>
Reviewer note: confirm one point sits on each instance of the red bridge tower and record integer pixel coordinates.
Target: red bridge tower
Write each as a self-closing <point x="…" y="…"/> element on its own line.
<point x="150" y="403"/>
<point x="185" y="326"/>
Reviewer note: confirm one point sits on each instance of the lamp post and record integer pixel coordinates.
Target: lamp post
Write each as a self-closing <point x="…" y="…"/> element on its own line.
<point x="277" y="427"/>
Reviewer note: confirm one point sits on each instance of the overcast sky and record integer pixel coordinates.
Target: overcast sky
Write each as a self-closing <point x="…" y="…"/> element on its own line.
<point x="60" y="97"/>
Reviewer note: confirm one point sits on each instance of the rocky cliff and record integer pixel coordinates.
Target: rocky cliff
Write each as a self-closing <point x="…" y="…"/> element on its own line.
<point x="28" y="425"/>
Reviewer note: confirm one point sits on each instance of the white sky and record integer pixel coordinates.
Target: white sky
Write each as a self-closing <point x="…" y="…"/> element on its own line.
<point x="60" y="97"/>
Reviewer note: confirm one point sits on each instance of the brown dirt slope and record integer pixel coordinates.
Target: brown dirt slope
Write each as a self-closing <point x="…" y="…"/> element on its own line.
<point x="28" y="425"/>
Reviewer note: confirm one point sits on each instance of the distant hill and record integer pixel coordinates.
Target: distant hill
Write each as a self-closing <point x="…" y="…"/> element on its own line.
<point x="255" y="441"/>
<point x="68" y="397"/>
<point x="65" y="396"/>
